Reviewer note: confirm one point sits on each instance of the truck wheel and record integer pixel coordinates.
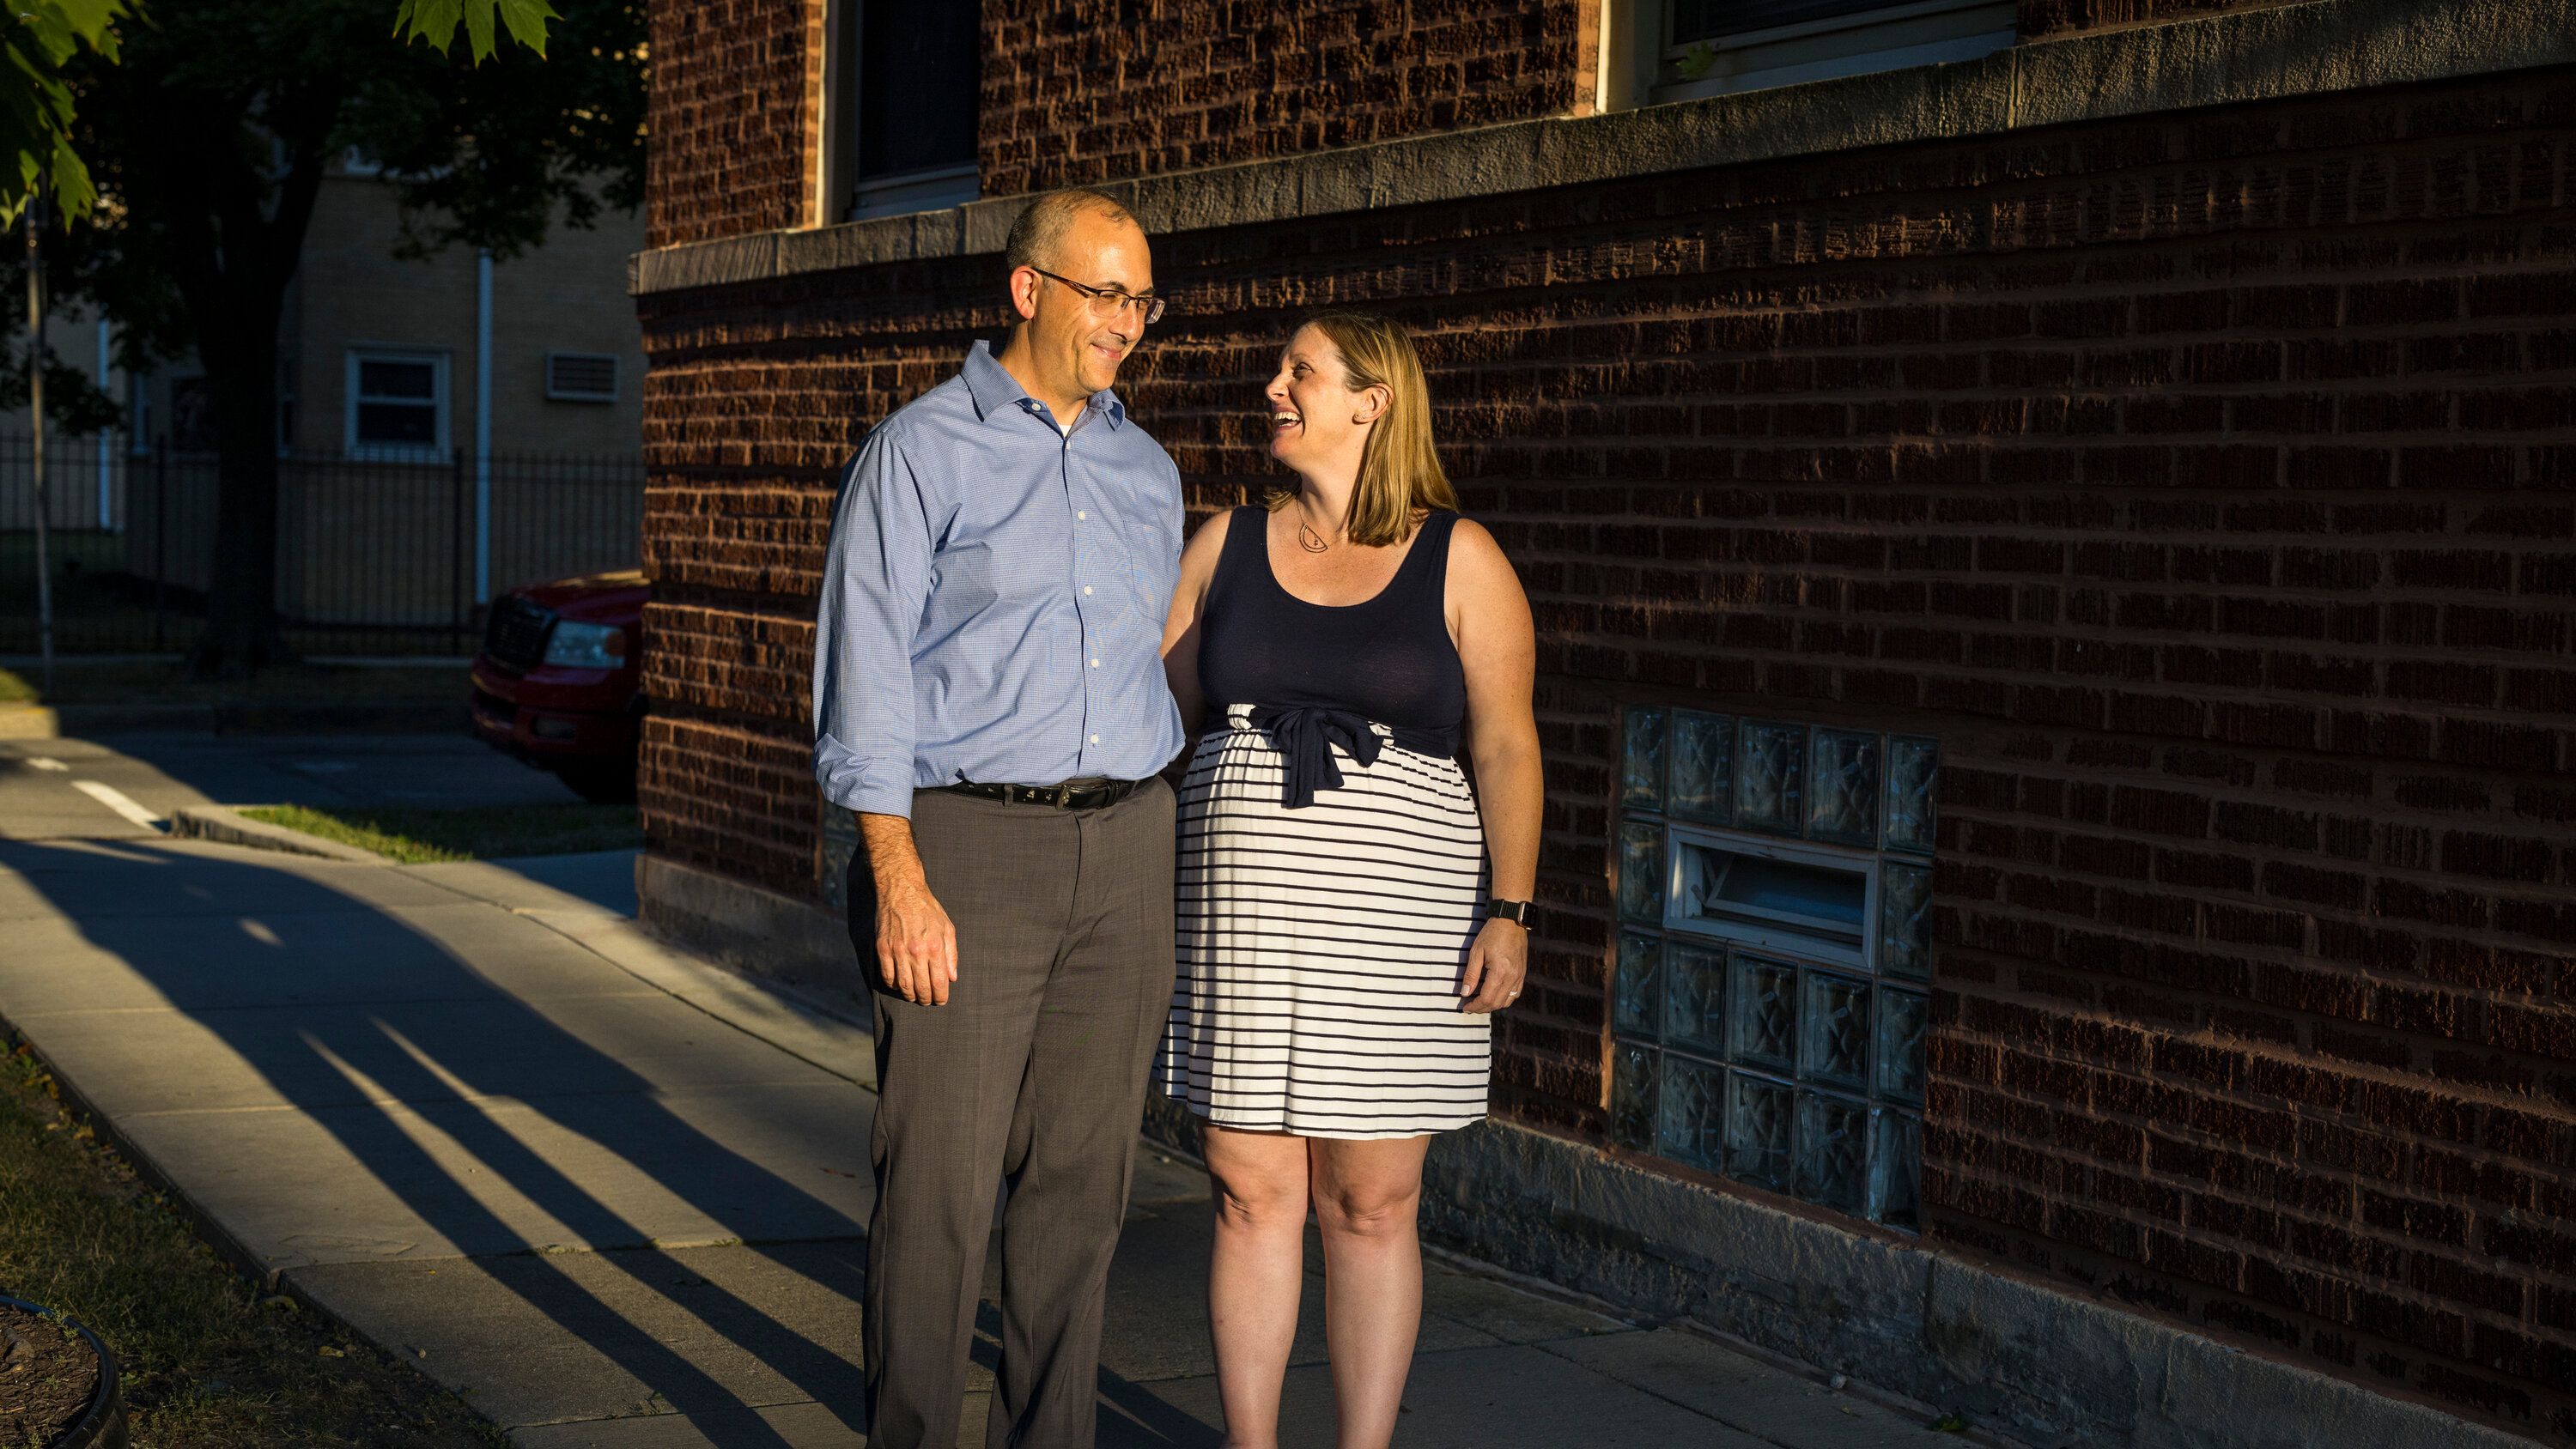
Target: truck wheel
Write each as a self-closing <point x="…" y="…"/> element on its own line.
<point x="601" y="782"/>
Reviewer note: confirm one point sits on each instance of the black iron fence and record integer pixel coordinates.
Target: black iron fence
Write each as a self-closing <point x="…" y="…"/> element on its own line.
<point x="376" y="555"/>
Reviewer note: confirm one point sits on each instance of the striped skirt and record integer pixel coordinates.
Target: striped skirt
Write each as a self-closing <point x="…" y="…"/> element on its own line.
<point x="1322" y="949"/>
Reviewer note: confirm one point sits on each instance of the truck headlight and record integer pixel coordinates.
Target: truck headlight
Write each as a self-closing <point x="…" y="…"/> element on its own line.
<point x="576" y="645"/>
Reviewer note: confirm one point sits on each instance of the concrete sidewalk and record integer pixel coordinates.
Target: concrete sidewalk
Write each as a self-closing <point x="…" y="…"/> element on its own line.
<point x="615" y="1196"/>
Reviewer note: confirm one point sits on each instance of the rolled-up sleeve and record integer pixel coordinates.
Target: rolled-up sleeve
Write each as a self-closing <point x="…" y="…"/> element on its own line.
<point x="876" y="581"/>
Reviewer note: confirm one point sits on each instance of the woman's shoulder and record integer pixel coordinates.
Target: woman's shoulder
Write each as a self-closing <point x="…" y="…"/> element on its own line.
<point x="1476" y="560"/>
<point x="1470" y="539"/>
<point x="1209" y="541"/>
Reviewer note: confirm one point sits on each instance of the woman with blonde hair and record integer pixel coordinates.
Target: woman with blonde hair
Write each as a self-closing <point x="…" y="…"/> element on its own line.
<point x="1351" y="910"/>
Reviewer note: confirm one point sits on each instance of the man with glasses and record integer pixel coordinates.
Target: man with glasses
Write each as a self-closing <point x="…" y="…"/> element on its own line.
<point x="989" y="698"/>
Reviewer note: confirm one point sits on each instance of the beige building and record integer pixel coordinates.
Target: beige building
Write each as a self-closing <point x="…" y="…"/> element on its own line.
<point x="383" y="357"/>
<point x="457" y="427"/>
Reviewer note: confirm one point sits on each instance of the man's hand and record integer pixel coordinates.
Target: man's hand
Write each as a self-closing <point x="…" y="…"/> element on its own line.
<point x="916" y="942"/>
<point x="1496" y="966"/>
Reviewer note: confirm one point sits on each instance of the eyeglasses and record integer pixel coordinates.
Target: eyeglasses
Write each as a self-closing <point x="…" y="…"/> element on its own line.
<point x="1108" y="302"/>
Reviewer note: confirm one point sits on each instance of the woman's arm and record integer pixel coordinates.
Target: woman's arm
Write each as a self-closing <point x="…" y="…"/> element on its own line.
<point x="1489" y="617"/>
<point x="1181" y="630"/>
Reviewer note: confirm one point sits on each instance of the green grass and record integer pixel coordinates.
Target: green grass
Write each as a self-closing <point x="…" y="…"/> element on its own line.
<point x="209" y="1360"/>
<point x="418" y="837"/>
<point x="14" y="690"/>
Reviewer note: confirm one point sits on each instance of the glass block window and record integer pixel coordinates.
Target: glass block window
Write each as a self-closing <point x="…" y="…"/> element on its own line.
<point x="1774" y="954"/>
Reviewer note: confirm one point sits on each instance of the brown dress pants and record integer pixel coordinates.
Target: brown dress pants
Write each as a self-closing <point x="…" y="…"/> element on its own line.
<point x="1033" y="1073"/>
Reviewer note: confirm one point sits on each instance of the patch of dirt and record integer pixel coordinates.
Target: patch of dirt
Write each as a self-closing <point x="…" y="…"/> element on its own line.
<point x="48" y="1375"/>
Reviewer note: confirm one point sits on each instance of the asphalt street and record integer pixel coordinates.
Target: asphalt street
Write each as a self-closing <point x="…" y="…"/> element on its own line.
<point x="39" y="779"/>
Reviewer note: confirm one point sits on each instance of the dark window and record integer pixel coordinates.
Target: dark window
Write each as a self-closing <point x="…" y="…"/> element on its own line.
<point x="1708" y="19"/>
<point x="397" y="403"/>
<point x="918" y="73"/>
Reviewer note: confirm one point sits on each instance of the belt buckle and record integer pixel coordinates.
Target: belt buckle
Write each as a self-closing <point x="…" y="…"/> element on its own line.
<point x="1063" y="797"/>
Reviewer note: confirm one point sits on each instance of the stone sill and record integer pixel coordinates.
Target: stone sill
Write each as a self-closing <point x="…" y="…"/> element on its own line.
<point x="2318" y="48"/>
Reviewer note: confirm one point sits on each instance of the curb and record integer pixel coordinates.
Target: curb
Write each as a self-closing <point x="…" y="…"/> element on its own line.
<point x="231" y="827"/>
<point x="262" y="719"/>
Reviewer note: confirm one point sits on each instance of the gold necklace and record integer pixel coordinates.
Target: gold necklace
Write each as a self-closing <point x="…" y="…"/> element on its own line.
<point x="1309" y="540"/>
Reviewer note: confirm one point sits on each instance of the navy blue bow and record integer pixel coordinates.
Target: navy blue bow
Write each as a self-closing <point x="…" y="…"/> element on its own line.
<point x="1305" y="736"/>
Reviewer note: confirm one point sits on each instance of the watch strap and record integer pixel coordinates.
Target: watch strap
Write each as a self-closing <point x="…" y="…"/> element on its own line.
<point x="1517" y="912"/>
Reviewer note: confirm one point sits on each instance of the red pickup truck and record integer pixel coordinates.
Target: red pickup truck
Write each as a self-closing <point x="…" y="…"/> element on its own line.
<point x="558" y="681"/>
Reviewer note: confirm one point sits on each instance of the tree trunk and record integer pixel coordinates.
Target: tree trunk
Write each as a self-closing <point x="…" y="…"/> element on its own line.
<point x="241" y="384"/>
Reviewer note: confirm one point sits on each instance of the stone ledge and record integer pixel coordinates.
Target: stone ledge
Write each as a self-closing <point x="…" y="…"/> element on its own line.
<point x="794" y="946"/>
<point x="2042" y="1365"/>
<point x="229" y="826"/>
<point x="2318" y="48"/>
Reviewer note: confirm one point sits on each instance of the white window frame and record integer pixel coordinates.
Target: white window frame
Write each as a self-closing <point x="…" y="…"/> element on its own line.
<point x="616" y="377"/>
<point x="442" y="397"/>
<point x="1788" y="944"/>
<point x="1640" y="60"/>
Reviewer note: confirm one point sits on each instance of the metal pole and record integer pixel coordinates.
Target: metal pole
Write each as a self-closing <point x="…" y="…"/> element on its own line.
<point x="106" y="479"/>
<point x="456" y="561"/>
<point x="160" y="537"/>
<point x="36" y="414"/>
<point x="483" y="427"/>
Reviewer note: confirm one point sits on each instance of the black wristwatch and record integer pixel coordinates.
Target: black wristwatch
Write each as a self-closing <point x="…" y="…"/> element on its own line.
<point x="1519" y="913"/>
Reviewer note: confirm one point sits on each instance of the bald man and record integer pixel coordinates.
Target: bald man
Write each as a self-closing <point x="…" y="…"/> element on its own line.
<point x="989" y="699"/>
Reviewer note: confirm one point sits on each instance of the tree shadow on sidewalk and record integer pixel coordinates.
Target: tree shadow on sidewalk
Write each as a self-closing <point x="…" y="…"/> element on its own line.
<point x="459" y="1090"/>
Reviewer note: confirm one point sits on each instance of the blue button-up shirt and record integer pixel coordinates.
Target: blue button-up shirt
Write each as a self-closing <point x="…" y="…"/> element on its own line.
<point x="994" y="597"/>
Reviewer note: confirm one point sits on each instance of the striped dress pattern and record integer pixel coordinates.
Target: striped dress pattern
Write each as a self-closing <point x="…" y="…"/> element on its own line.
<point x="1322" y="946"/>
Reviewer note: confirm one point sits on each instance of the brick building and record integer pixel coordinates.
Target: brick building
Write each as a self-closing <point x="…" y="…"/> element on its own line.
<point x="2053" y="529"/>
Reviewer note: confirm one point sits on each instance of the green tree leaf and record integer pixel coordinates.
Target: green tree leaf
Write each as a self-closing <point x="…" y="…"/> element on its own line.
<point x="37" y="41"/>
<point x="434" y="22"/>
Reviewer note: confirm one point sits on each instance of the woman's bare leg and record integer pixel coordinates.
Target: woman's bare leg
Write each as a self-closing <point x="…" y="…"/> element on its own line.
<point x="1367" y="1196"/>
<point x="1255" y="1273"/>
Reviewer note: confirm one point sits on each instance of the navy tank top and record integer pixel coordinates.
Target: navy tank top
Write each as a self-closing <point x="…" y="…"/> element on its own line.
<point x="1318" y="674"/>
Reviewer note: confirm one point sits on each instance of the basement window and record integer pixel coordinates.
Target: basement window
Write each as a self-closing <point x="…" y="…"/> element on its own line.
<point x="1690" y="49"/>
<point x="1772" y="988"/>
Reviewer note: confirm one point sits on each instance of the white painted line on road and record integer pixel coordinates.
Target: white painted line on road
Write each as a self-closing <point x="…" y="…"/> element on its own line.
<point x="42" y="763"/>
<point x="118" y="801"/>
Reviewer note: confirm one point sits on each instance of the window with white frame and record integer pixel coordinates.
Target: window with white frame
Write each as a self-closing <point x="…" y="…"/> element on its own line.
<point x="397" y="404"/>
<point x="1679" y="50"/>
<point x="902" y="86"/>
<point x="1772" y="985"/>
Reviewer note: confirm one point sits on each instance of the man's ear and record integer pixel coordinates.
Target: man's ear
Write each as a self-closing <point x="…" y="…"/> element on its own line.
<point x="1024" y="292"/>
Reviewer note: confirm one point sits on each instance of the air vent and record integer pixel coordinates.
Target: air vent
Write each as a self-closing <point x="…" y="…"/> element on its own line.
<point x="581" y="376"/>
<point x="1814" y="903"/>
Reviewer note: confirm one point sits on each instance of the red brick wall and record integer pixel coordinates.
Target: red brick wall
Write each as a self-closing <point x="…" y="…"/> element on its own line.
<point x="2050" y="19"/>
<point x="2207" y="485"/>
<point x="746" y="423"/>
<point x="731" y="117"/>
<point x="1078" y="91"/>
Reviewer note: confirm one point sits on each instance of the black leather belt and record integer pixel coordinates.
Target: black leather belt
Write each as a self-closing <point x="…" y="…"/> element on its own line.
<point x="1071" y="795"/>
